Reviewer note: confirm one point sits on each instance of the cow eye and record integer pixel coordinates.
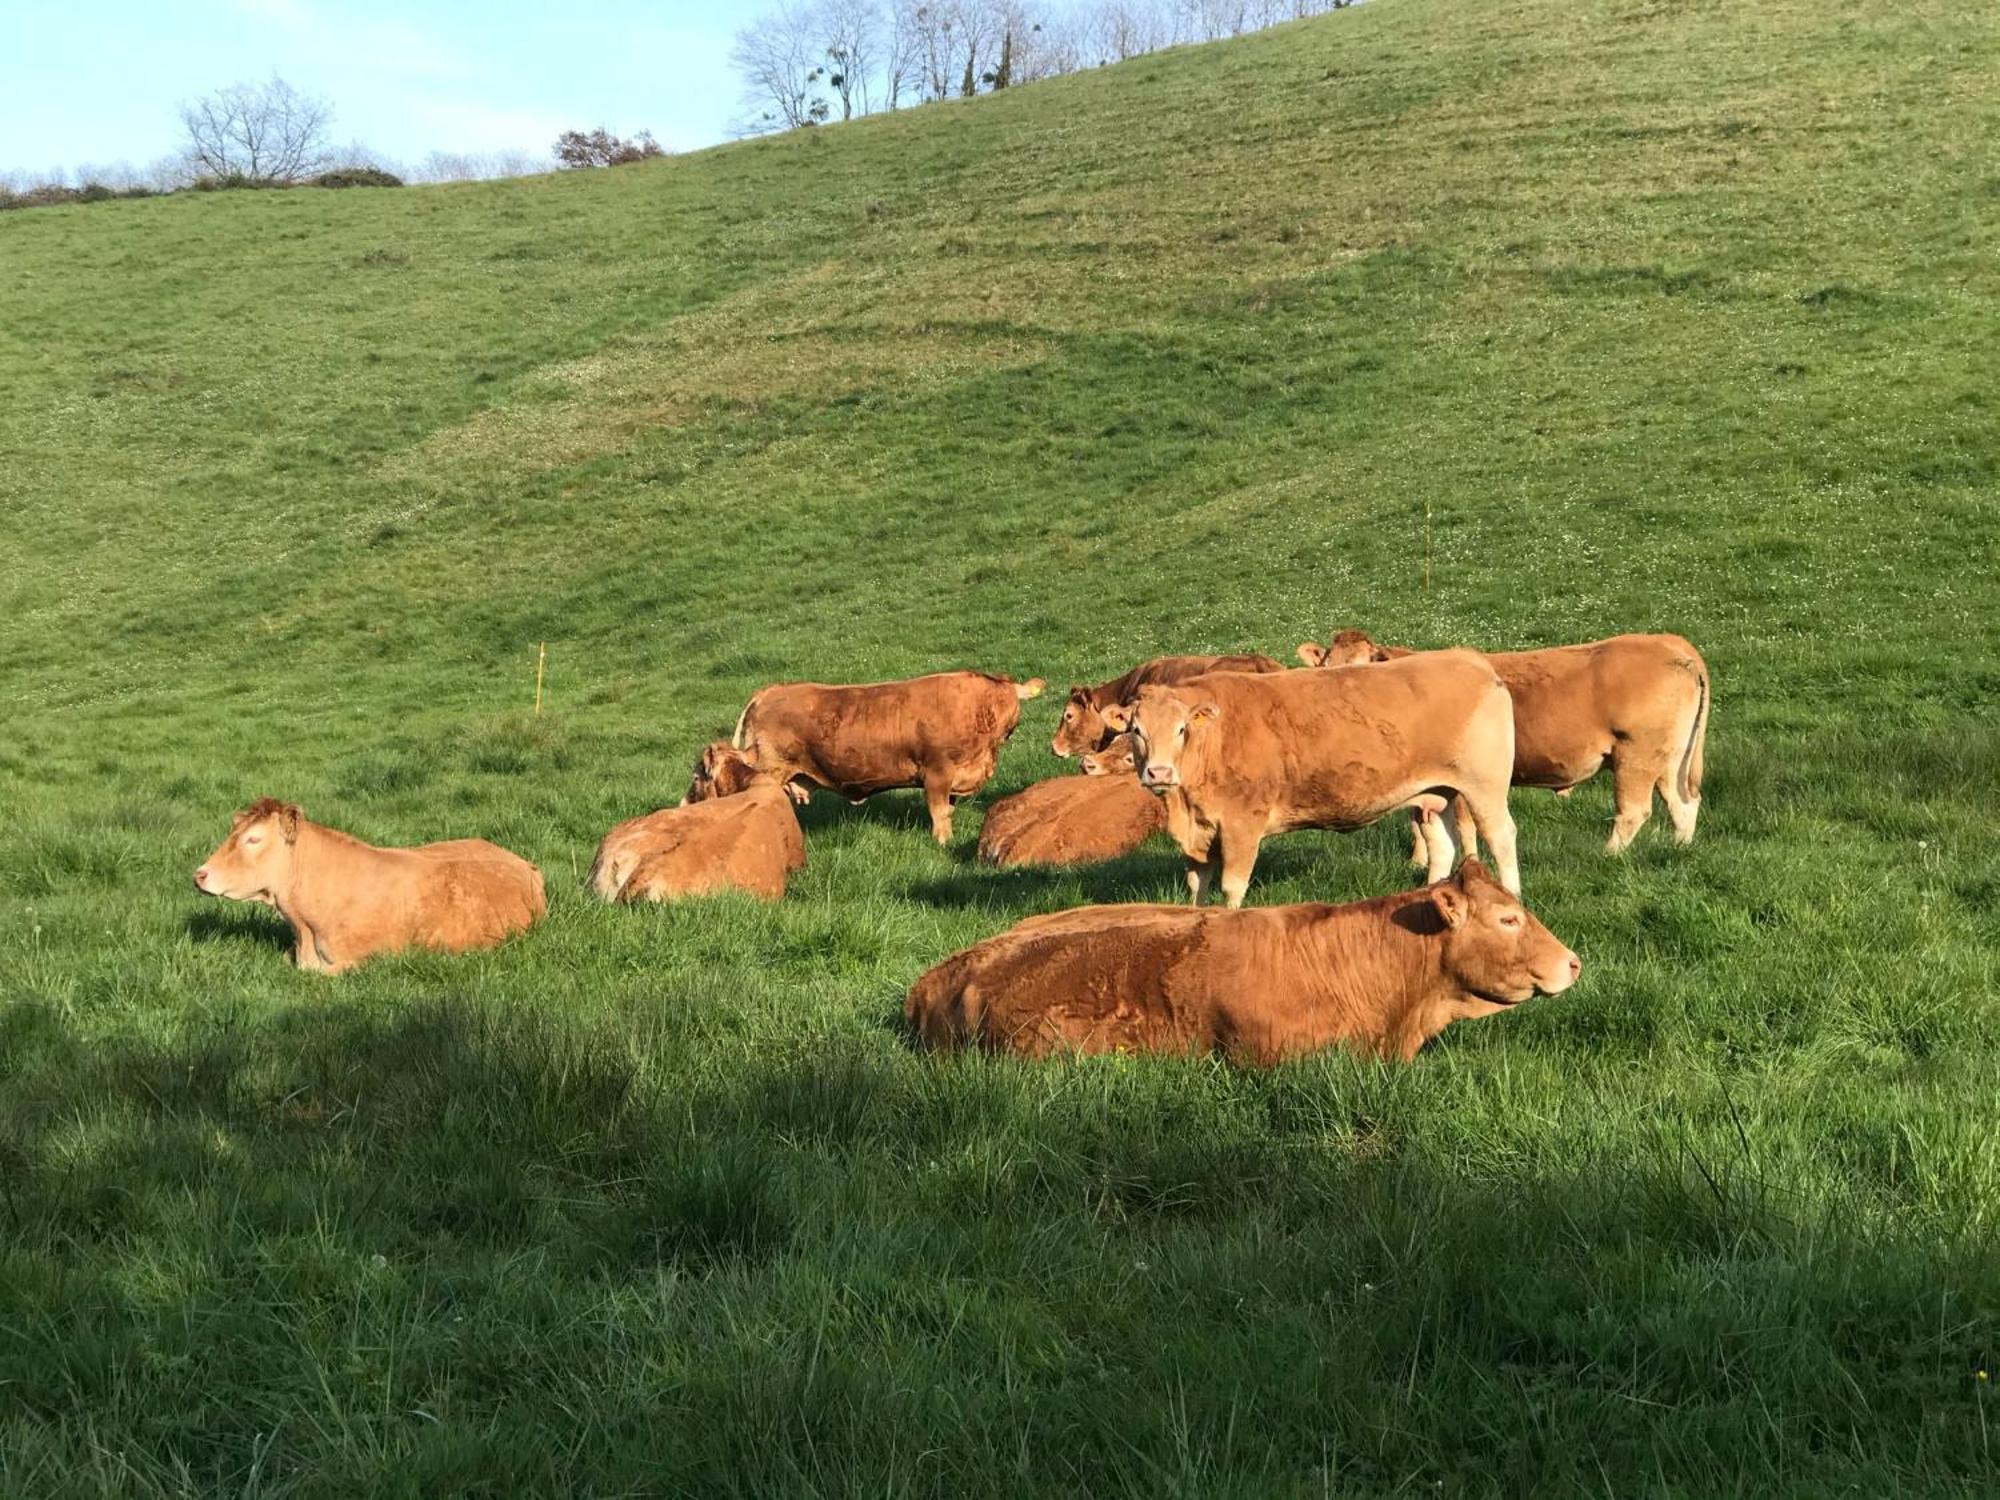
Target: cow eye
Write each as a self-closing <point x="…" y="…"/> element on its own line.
<point x="1511" y="919"/>
<point x="253" y="838"/>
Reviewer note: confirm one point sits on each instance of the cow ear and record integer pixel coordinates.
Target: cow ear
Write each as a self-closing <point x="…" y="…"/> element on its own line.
<point x="1473" y="873"/>
<point x="1206" y="713"/>
<point x="1118" y="716"/>
<point x="1312" y="653"/>
<point x="1378" y="653"/>
<point x="288" y="821"/>
<point x="1450" y="903"/>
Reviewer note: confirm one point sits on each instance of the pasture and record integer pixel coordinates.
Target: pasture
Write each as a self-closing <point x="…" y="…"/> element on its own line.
<point x="1662" y="318"/>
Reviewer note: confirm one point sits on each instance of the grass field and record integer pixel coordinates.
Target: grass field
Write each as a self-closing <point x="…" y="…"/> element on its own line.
<point x="1673" y="317"/>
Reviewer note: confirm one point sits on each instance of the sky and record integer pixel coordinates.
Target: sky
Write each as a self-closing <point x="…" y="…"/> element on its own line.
<point x="100" y="82"/>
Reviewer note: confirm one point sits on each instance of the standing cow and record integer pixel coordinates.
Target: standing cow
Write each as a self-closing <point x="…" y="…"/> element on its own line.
<point x="1083" y="727"/>
<point x="347" y="900"/>
<point x="1249" y="756"/>
<point x="1637" y="703"/>
<point x="942" y="733"/>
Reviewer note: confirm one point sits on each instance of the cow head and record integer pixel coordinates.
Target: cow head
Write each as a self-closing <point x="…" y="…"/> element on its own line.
<point x="1493" y="945"/>
<point x="1350" y="648"/>
<point x="255" y="861"/>
<point x="1117" y="758"/>
<point x="1163" y="723"/>
<point x="1082" y="726"/>
<point x="722" y="771"/>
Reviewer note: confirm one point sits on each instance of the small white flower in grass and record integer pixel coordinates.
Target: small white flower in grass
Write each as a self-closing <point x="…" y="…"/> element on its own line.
<point x="379" y="1262"/>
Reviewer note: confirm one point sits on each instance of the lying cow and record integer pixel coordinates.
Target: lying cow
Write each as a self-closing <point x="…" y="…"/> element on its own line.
<point x="1638" y="703"/>
<point x="1249" y="756"/>
<point x="348" y="901"/>
<point x="1071" y="820"/>
<point x="1381" y="976"/>
<point x="1117" y="758"/>
<point x="1083" y="726"/>
<point x="942" y="733"/>
<point x="735" y="830"/>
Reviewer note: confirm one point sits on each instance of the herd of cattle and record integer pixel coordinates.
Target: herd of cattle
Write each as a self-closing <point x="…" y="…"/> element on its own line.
<point x="1218" y="751"/>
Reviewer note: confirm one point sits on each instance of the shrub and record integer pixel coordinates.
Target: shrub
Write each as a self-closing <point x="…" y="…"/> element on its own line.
<point x="347" y="177"/>
<point x="600" y="148"/>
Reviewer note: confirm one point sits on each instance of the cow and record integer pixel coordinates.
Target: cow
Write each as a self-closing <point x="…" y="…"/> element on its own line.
<point x="1071" y="820"/>
<point x="1637" y="703"/>
<point x="1082" y="726"/>
<point x="942" y="733"/>
<point x="735" y="830"/>
<point x="348" y="901"/>
<point x="1258" y="986"/>
<point x="1117" y="758"/>
<point x="1248" y="756"/>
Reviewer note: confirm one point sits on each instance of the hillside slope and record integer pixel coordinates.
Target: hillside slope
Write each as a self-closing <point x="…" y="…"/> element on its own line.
<point x="1654" y="316"/>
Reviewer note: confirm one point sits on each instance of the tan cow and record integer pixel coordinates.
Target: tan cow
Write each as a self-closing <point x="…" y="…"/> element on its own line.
<point x="1637" y="703"/>
<point x="1083" y="726"/>
<point x="1119" y="757"/>
<point x="942" y="733"/>
<point x="1071" y="820"/>
<point x="735" y="830"/>
<point x="1381" y="976"/>
<point x="1248" y="756"/>
<point x="348" y="901"/>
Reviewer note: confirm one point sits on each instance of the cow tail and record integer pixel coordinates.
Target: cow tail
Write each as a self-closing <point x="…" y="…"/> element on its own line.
<point x="1691" y="759"/>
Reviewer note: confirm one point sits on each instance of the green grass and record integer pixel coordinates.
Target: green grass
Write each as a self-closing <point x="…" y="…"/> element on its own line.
<point x="1677" y="316"/>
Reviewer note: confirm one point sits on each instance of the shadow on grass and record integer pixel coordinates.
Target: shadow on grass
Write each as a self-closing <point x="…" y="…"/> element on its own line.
<point x="239" y="923"/>
<point x="852" y="1240"/>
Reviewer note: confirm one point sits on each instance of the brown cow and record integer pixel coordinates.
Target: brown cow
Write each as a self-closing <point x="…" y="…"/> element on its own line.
<point x="1083" y="726"/>
<point x="1248" y="756"/>
<point x="1071" y="820"/>
<point x="1638" y="703"/>
<point x="1381" y="976"/>
<point x="1118" y="758"/>
<point x="735" y="830"/>
<point x="348" y="901"/>
<point x="942" y="733"/>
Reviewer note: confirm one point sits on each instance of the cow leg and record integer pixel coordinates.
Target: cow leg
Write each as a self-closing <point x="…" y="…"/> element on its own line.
<point x="1420" y="842"/>
<point x="937" y="794"/>
<point x="1440" y="829"/>
<point x="1682" y="810"/>
<point x="1203" y="861"/>
<point x="1239" y="857"/>
<point x="1491" y="817"/>
<point x="1632" y="781"/>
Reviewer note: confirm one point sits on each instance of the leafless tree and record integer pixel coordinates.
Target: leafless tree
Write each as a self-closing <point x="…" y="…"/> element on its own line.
<point x="780" y="59"/>
<point x="266" y="132"/>
<point x="850" y="33"/>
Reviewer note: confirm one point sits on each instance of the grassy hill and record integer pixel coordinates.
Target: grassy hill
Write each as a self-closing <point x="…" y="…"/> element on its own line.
<point x="1669" y="316"/>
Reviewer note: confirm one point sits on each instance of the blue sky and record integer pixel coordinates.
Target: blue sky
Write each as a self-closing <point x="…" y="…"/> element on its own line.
<point x="99" y="82"/>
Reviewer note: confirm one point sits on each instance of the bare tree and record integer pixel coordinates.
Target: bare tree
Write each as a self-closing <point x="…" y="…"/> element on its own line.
<point x="259" y="132"/>
<point x="850" y="32"/>
<point x="780" y="58"/>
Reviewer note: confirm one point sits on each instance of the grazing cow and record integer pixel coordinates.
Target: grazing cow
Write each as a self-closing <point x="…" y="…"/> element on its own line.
<point x="942" y="733"/>
<point x="1083" y="725"/>
<point x="348" y="901"/>
<point x="1248" y="756"/>
<point x="1071" y="820"/>
<point x="735" y="830"/>
<point x="1381" y="976"/>
<point x="1638" y="703"/>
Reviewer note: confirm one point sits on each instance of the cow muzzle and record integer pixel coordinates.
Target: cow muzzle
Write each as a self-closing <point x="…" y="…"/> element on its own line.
<point x="1161" y="777"/>
<point x="201" y="879"/>
<point x="1565" y="973"/>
